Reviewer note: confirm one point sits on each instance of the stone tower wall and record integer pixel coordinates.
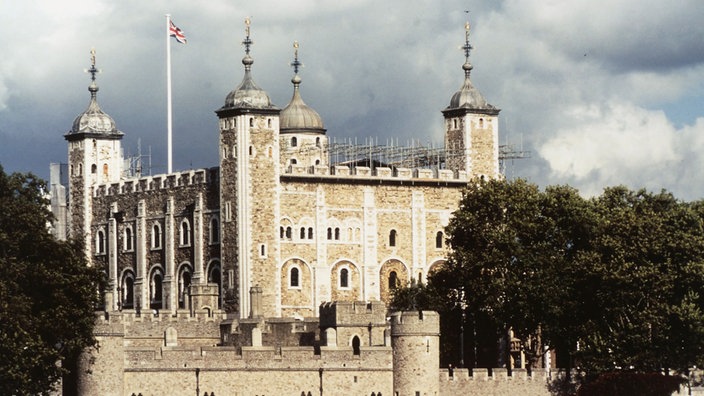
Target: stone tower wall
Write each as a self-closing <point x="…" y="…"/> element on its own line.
<point x="415" y="338"/>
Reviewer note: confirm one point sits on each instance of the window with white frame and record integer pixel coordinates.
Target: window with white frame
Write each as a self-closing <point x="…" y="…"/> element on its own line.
<point x="128" y="239"/>
<point x="185" y="234"/>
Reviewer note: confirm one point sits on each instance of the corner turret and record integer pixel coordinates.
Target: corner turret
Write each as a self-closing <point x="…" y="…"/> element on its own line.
<point x="471" y="128"/>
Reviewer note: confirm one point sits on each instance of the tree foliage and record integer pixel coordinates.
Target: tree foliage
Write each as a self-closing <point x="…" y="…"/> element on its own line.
<point x="47" y="292"/>
<point x="620" y="275"/>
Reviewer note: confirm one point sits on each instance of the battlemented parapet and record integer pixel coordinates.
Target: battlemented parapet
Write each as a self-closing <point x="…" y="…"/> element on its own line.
<point x="159" y="182"/>
<point x="359" y="174"/>
<point x="494" y="382"/>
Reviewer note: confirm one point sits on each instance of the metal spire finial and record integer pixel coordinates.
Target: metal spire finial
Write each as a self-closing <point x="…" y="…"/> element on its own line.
<point x="93" y="71"/>
<point x="467" y="47"/>
<point x="296" y="64"/>
<point x="247" y="41"/>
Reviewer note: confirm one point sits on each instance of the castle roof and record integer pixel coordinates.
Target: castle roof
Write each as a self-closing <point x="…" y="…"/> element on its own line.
<point x="298" y="116"/>
<point x="248" y="95"/>
<point x="468" y="97"/>
<point x="94" y="121"/>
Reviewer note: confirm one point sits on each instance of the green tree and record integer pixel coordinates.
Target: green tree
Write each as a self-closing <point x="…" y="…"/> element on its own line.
<point x="643" y="292"/>
<point x="621" y="275"/>
<point x="47" y="292"/>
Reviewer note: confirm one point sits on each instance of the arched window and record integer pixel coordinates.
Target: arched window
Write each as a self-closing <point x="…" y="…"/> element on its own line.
<point x="356" y="345"/>
<point x="184" y="285"/>
<point x="303" y="233"/>
<point x="329" y="233"/>
<point x="294" y="161"/>
<point x="128" y="239"/>
<point x="155" y="289"/>
<point x="289" y="233"/>
<point x="392" y="238"/>
<point x="438" y="240"/>
<point x="127" y="292"/>
<point x="105" y="169"/>
<point x="156" y="236"/>
<point x="282" y="232"/>
<point x="294" y="141"/>
<point x="344" y="278"/>
<point x="100" y="242"/>
<point x="251" y="150"/>
<point x="268" y="123"/>
<point x="251" y="121"/>
<point x="317" y="142"/>
<point x="94" y="169"/>
<point x="337" y="234"/>
<point x="310" y="232"/>
<point x="215" y="276"/>
<point x="185" y="233"/>
<point x="393" y="280"/>
<point x="481" y="123"/>
<point x="294" y="280"/>
<point x="214" y="230"/>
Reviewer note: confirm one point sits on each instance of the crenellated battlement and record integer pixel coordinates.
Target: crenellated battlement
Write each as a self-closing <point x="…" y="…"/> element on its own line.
<point x="352" y="313"/>
<point x="338" y="172"/>
<point x="165" y="182"/>
<point x="132" y="316"/>
<point x="415" y="323"/>
<point x="495" y="381"/>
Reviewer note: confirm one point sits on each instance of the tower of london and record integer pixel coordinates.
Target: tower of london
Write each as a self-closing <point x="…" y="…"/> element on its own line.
<point x="270" y="273"/>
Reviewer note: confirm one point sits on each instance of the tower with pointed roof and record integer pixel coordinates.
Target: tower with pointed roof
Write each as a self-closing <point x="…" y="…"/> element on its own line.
<point x="303" y="139"/>
<point x="249" y="172"/>
<point x="471" y="128"/>
<point x="94" y="157"/>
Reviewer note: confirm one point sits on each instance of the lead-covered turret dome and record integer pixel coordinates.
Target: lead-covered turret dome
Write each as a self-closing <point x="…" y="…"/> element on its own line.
<point x="298" y="117"/>
<point x="468" y="97"/>
<point x="248" y="94"/>
<point x="94" y="121"/>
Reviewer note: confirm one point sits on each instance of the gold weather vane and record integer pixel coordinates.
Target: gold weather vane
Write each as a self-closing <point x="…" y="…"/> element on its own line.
<point x="93" y="71"/>
<point x="296" y="63"/>
<point x="247" y="41"/>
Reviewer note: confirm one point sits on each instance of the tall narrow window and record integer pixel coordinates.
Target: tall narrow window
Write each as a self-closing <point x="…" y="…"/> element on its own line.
<point x="294" y="281"/>
<point x="356" y="345"/>
<point x="289" y="232"/>
<point x="344" y="278"/>
<point x="156" y="236"/>
<point x="303" y="233"/>
<point x="392" y="238"/>
<point x="438" y="240"/>
<point x="329" y="233"/>
<point x="184" y="285"/>
<point x="185" y="233"/>
<point x="337" y="234"/>
<point x="128" y="239"/>
<point x="294" y="141"/>
<point x="393" y="280"/>
<point x="214" y="230"/>
<point x="310" y="232"/>
<point x="128" y="291"/>
<point x="156" y="290"/>
<point x="100" y="242"/>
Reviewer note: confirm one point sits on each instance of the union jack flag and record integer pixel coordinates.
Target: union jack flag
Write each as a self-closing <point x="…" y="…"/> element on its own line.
<point x="176" y="33"/>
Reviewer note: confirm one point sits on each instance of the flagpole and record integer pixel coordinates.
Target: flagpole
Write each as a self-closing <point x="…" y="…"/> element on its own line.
<point x="168" y="91"/>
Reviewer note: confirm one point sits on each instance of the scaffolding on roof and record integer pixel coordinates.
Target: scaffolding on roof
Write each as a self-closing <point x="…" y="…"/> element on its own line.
<point x="414" y="155"/>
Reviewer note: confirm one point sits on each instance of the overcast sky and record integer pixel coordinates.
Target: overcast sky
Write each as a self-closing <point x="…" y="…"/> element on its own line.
<point x="601" y="92"/>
